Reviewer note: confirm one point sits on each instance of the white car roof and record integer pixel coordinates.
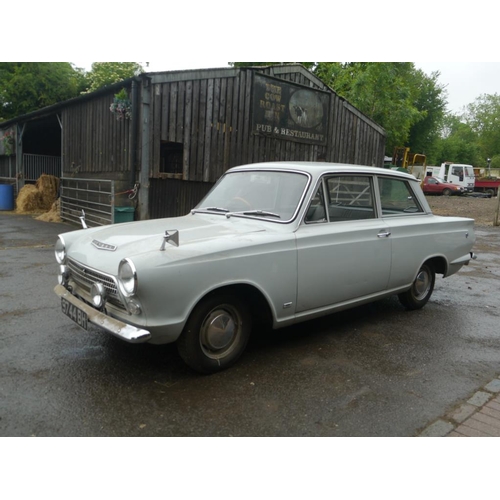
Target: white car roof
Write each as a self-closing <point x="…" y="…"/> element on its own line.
<point x="319" y="168"/>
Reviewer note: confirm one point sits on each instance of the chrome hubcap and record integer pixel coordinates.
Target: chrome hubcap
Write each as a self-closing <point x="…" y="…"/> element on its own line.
<point x="422" y="284"/>
<point x="219" y="332"/>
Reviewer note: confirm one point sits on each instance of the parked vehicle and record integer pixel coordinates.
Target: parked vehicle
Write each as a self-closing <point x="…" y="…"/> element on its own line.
<point x="456" y="173"/>
<point x="487" y="185"/>
<point x="277" y="243"/>
<point x="435" y="185"/>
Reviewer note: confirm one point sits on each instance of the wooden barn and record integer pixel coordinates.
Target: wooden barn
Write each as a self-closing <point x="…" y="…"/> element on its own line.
<point x="158" y="142"/>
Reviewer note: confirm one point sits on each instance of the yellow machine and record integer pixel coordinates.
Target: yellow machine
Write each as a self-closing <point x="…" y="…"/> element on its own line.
<point x="414" y="163"/>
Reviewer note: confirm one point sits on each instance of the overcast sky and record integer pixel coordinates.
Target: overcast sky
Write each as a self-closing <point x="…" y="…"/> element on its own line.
<point x="464" y="81"/>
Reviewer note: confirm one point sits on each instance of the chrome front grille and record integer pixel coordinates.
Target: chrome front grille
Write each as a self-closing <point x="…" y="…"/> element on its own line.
<point x="85" y="277"/>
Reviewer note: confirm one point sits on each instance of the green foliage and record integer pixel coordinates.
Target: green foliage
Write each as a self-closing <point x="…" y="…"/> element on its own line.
<point x="495" y="161"/>
<point x="431" y="102"/>
<point x="26" y="87"/>
<point x="483" y="116"/>
<point x="457" y="143"/>
<point x="103" y="74"/>
<point x="121" y="105"/>
<point x="397" y="96"/>
<point x="457" y="150"/>
<point x="472" y="137"/>
<point x="8" y="142"/>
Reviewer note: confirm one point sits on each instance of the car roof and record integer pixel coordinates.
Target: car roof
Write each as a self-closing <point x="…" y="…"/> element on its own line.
<point x="319" y="168"/>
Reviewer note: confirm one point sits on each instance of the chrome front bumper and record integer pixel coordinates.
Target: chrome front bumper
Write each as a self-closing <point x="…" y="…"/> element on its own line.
<point x="114" y="326"/>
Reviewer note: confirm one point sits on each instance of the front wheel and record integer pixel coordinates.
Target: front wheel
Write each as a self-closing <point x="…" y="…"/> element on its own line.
<point x="446" y="192"/>
<point x="215" y="334"/>
<point x="421" y="289"/>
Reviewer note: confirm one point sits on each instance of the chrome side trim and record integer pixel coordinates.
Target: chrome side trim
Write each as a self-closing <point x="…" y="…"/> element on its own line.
<point x="114" y="326"/>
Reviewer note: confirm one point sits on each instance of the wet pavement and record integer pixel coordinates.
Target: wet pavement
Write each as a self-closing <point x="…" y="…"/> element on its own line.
<point x="376" y="370"/>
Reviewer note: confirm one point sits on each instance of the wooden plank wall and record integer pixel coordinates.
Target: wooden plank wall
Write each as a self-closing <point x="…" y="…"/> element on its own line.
<point x="95" y="143"/>
<point x="211" y="117"/>
<point x="173" y="197"/>
<point x="8" y="166"/>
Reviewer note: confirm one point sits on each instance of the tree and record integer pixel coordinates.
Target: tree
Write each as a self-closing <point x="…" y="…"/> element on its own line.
<point x="107" y="73"/>
<point x="431" y="102"/>
<point x="458" y="143"/>
<point x="405" y="101"/>
<point x="483" y="117"/>
<point x="26" y="87"/>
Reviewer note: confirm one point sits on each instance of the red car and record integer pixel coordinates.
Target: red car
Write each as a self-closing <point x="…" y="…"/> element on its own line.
<point x="435" y="185"/>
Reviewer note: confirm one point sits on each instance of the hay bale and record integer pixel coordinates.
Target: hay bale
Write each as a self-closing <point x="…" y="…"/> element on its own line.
<point x="53" y="215"/>
<point x="28" y="200"/>
<point x="39" y="197"/>
<point x="48" y="185"/>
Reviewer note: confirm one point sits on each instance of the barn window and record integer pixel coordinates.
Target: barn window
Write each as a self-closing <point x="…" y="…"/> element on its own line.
<point x="171" y="155"/>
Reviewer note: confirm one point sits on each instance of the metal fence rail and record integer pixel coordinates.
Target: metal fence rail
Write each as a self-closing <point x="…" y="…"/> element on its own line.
<point x="96" y="197"/>
<point x="36" y="165"/>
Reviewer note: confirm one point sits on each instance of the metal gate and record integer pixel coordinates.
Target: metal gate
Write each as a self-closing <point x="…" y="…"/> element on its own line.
<point x="36" y="165"/>
<point x="95" y="197"/>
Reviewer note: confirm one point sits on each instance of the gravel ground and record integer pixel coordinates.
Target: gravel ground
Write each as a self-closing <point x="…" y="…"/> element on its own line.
<point x="482" y="210"/>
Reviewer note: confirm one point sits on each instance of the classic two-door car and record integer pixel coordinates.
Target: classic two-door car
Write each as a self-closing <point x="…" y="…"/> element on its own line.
<point x="271" y="242"/>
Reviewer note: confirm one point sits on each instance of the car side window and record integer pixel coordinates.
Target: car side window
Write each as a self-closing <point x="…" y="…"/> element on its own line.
<point x="350" y="197"/>
<point x="316" y="211"/>
<point x="396" y="197"/>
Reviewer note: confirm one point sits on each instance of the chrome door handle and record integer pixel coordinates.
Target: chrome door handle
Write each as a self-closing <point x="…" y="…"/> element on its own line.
<point x="384" y="234"/>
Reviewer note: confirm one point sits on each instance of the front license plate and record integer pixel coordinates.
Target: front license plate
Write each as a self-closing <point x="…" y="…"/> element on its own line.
<point x="77" y="315"/>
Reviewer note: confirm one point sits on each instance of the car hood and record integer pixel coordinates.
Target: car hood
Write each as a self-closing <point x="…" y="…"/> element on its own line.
<point x="104" y="247"/>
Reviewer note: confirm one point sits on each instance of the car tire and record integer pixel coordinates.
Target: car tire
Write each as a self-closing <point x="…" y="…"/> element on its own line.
<point x="446" y="192"/>
<point x="215" y="334"/>
<point x="421" y="289"/>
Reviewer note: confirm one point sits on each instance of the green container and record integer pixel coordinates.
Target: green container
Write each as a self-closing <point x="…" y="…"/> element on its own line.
<point x="124" y="214"/>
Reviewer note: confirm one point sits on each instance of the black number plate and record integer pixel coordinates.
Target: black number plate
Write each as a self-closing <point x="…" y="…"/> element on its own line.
<point x="77" y="315"/>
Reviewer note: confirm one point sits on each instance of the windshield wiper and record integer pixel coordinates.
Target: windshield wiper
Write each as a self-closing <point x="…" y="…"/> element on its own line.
<point x="212" y="209"/>
<point x="255" y="212"/>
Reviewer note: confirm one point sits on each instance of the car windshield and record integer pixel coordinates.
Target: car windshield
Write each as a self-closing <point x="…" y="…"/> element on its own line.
<point x="469" y="171"/>
<point x="264" y="194"/>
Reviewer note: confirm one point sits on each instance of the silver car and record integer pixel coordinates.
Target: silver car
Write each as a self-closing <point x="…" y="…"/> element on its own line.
<point x="277" y="243"/>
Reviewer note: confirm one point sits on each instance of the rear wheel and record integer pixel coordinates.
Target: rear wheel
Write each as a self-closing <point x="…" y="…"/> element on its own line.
<point x="421" y="289"/>
<point x="216" y="334"/>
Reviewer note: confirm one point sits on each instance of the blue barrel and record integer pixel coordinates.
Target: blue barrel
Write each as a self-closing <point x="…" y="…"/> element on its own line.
<point x="6" y="197"/>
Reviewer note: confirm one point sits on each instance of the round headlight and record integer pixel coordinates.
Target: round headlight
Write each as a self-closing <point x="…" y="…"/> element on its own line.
<point x="127" y="277"/>
<point x="60" y="251"/>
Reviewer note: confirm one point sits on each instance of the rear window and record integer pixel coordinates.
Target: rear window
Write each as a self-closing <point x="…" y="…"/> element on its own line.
<point x="397" y="198"/>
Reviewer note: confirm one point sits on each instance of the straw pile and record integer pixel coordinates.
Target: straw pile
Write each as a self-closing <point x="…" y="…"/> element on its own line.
<point x="40" y="198"/>
<point x="48" y="185"/>
<point x="53" y="215"/>
<point x="29" y="200"/>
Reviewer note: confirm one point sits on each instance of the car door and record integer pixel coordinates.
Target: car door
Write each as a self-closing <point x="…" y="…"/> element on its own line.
<point x="412" y="230"/>
<point x="344" y="249"/>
